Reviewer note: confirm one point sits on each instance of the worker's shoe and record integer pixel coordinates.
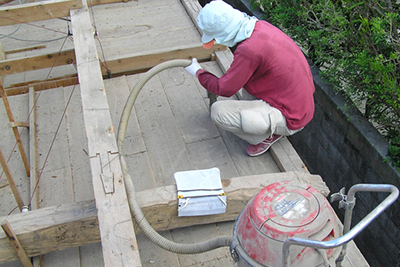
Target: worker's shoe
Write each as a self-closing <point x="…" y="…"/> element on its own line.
<point x="261" y="148"/>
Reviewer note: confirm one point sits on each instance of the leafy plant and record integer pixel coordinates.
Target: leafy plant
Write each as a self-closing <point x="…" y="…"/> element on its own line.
<point x="356" y="46"/>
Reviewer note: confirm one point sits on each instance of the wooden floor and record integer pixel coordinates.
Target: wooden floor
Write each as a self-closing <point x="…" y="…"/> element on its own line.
<point x="169" y="130"/>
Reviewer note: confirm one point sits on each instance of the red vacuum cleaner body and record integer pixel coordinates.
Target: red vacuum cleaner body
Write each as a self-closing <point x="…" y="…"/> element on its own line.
<point x="281" y="211"/>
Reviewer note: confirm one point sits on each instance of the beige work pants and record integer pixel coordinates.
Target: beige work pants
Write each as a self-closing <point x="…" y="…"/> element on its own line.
<point x="251" y="120"/>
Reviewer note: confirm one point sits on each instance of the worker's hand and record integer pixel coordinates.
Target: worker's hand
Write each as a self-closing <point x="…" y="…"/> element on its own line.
<point x="193" y="68"/>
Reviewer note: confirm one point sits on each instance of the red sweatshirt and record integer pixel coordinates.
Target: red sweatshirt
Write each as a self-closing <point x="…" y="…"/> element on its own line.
<point x="271" y="67"/>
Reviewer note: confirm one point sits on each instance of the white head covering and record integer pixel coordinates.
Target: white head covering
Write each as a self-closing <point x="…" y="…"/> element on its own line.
<point x="228" y="26"/>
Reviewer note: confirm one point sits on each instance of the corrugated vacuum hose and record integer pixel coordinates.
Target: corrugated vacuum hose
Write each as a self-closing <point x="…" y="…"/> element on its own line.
<point x="222" y="241"/>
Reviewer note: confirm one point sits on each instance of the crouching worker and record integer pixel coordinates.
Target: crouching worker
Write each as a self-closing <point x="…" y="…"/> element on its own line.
<point x="268" y="65"/>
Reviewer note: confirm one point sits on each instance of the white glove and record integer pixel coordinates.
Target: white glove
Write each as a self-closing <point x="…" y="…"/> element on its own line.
<point x="193" y="68"/>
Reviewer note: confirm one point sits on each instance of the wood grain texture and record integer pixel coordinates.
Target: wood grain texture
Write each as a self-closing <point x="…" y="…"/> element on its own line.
<point x="76" y="224"/>
<point x="116" y="228"/>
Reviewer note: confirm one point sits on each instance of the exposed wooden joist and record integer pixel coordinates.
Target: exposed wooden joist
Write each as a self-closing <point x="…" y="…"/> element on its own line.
<point x="69" y="225"/>
<point x="193" y="8"/>
<point x="42" y="85"/>
<point x="33" y="150"/>
<point x="59" y="227"/>
<point x="116" y="228"/>
<point x="127" y="64"/>
<point x="10" y="66"/>
<point x="43" y="10"/>
<point x="2" y="52"/>
<point x="16" y="244"/>
<point x="140" y="61"/>
<point x="28" y="48"/>
<point x="30" y="12"/>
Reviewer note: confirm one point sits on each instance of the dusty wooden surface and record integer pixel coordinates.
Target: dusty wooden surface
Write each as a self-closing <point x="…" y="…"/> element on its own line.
<point x="169" y="131"/>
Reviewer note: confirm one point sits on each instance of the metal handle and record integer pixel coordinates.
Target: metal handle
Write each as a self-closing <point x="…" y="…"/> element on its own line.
<point x="348" y="235"/>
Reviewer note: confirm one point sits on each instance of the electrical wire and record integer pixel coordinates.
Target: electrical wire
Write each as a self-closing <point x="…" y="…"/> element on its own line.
<point x="104" y="65"/>
<point x="8" y="35"/>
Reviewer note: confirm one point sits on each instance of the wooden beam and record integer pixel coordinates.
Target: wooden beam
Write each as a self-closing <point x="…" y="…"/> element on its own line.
<point x="33" y="149"/>
<point x="43" y="10"/>
<point x="10" y="66"/>
<point x="16" y="244"/>
<point x="160" y="204"/>
<point x="127" y="63"/>
<point x="42" y="85"/>
<point x="2" y="52"/>
<point x="33" y="179"/>
<point x="11" y="182"/>
<point x="14" y="129"/>
<point x="69" y="225"/>
<point x="27" y="48"/>
<point x="193" y="8"/>
<point x="140" y="61"/>
<point x="53" y="228"/>
<point x="116" y="228"/>
<point x="37" y="11"/>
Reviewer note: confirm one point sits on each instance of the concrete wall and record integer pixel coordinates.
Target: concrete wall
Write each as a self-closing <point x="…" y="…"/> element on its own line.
<point x="345" y="149"/>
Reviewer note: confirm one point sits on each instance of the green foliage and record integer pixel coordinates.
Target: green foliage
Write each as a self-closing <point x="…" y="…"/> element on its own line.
<point x="356" y="46"/>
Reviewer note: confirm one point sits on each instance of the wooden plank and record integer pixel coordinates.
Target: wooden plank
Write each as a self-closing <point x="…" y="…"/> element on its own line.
<point x="14" y="129"/>
<point x="58" y="227"/>
<point x="22" y="49"/>
<point x="44" y="10"/>
<point x="143" y="61"/>
<point x="56" y="178"/>
<point x="42" y="85"/>
<point x="75" y="224"/>
<point x="2" y="52"/>
<point x="16" y="244"/>
<point x="33" y="179"/>
<point x="212" y="153"/>
<point x="162" y="137"/>
<point x="37" y="11"/>
<point x="286" y="156"/>
<point x="116" y="228"/>
<point x="117" y="91"/>
<point x="32" y="149"/>
<point x="187" y="105"/>
<point x="193" y="8"/>
<point x="118" y="65"/>
<point x="81" y="180"/>
<point x="217" y="257"/>
<point x="10" y="66"/>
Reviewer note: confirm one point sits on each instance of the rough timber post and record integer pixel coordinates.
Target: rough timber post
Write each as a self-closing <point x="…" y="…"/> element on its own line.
<point x="116" y="228"/>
